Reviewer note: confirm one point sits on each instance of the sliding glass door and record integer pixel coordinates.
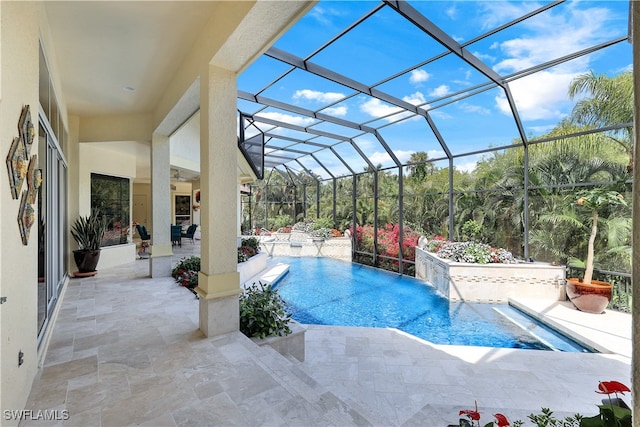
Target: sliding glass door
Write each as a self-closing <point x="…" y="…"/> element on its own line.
<point x="52" y="224"/>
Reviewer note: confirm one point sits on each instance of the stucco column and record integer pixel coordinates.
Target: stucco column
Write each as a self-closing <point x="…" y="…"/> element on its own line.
<point x="635" y="236"/>
<point x="218" y="280"/>
<point x="161" y="250"/>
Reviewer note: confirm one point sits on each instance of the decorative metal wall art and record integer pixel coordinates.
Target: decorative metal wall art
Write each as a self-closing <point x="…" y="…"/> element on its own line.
<point x="17" y="166"/>
<point x="34" y="179"/>
<point x="26" y="217"/>
<point x="21" y="168"/>
<point x="25" y="128"/>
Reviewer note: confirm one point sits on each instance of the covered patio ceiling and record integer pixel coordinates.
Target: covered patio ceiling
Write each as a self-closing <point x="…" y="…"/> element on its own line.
<point x="374" y="82"/>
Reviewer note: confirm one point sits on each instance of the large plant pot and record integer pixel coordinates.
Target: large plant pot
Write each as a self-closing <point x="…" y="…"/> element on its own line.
<point x="590" y="298"/>
<point x="86" y="261"/>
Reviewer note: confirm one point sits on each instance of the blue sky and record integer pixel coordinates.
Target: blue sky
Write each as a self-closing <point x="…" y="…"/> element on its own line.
<point x="387" y="45"/>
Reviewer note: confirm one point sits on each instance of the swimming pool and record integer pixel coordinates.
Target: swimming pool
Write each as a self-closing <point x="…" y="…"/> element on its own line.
<point x="331" y="292"/>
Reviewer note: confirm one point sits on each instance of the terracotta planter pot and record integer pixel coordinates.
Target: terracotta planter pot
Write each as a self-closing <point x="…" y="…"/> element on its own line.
<point x="590" y="298"/>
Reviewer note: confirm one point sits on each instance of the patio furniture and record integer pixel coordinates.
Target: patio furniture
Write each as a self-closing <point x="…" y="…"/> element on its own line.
<point x="176" y="235"/>
<point x="190" y="232"/>
<point x="142" y="231"/>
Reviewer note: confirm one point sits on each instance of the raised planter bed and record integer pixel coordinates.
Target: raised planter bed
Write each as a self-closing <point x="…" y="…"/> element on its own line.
<point x="459" y="281"/>
<point x="252" y="266"/>
<point x="288" y="345"/>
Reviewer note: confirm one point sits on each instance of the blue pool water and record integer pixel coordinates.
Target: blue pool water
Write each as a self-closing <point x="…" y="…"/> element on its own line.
<point x="330" y="292"/>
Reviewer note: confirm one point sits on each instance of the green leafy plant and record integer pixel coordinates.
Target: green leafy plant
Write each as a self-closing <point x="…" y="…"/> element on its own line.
<point x="282" y="221"/>
<point x="263" y="312"/>
<point x="471" y="230"/>
<point x="322" y="223"/>
<point x="613" y="413"/>
<point x="186" y="271"/>
<point x="252" y="242"/>
<point x="546" y="419"/>
<point x="88" y="231"/>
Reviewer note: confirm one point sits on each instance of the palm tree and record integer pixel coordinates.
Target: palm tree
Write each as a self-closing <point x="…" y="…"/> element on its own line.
<point x="607" y="102"/>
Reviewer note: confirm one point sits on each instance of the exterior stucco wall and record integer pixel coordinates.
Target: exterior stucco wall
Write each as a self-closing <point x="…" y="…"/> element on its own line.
<point x="95" y="159"/>
<point x="19" y="56"/>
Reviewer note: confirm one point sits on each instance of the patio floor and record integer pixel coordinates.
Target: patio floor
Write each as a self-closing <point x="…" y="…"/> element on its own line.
<point x="126" y="350"/>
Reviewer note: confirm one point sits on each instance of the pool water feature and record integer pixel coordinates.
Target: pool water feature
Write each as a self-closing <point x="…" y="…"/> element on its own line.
<point x="330" y="292"/>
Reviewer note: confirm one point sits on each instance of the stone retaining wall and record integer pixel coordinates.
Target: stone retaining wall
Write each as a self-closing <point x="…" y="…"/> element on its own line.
<point x="297" y="244"/>
<point x="491" y="282"/>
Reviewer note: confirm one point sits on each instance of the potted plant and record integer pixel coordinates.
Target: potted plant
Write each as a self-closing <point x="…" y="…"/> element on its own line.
<point x="590" y="295"/>
<point x="88" y="232"/>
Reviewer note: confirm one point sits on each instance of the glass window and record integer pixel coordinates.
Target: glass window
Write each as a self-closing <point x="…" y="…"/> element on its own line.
<point x="111" y="195"/>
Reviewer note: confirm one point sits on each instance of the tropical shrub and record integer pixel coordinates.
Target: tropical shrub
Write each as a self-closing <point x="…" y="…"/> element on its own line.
<point x="474" y="252"/>
<point x="249" y="247"/>
<point x="282" y="221"/>
<point x="263" y="312"/>
<point x="186" y="271"/>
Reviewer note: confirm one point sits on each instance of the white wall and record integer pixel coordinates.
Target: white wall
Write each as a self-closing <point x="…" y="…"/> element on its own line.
<point x="19" y="53"/>
<point x="97" y="159"/>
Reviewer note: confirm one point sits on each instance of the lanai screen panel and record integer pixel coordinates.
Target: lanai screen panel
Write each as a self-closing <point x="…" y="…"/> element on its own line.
<point x="410" y="136"/>
<point x="332" y="163"/>
<point x="556" y="32"/>
<point x="399" y="64"/>
<point x="349" y="155"/>
<point x="324" y="22"/>
<point x="542" y="98"/>
<point x="467" y="20"/>
<point x="260" y="74"/>
<point x="393" y="45"/>
<point x="477" y="123"/>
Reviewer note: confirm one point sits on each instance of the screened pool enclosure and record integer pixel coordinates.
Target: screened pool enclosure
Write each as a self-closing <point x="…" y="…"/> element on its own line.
<point x="467" y="120"/>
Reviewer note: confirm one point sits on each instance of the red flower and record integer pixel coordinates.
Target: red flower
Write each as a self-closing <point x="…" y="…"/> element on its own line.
<point x="502" y="420"/>
<point x="473" y="415"/>
<point x="608" y="387"/>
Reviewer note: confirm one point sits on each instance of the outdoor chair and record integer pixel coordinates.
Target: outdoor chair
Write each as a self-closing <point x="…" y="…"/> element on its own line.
<point x="191" y="231"/>
<point x="176" y="235"/>
<point x="142" y="231"/>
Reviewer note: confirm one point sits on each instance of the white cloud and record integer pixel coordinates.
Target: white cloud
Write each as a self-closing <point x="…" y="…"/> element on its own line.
<point x="375" y="108"/>
<point x="554" y="36"/>
<point x="314" y="95"/>
<point x="416" y="98"/>
<point x="484" y="56"/>
<point x="287" y="118"/>
<point x="418" y="76"/>
<point x="452" y="12"/>
<point x="441" y="115"/>
<point x="324" y="14"/>
<point x="471" y="108"/>
<point x="498" y="13"/>
<point x="466" y="167"/>
<point x="384" y="159"/>
<point x="441" y="90"/>
<point x="539" y="96"/>
<point x="336" y="111"/>
<point x="550" y="35"/>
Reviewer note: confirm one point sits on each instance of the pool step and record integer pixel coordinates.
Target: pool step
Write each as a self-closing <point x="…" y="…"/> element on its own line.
<point x="526" y="323"/>
<point x="274" y="274"/>
<point x="269" y="276"/>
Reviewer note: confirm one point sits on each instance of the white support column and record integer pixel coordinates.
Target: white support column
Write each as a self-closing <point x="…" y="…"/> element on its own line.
<point x="635" y="236"/>
<point x="161" y="250"/>
<point x="218" y="280"/>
